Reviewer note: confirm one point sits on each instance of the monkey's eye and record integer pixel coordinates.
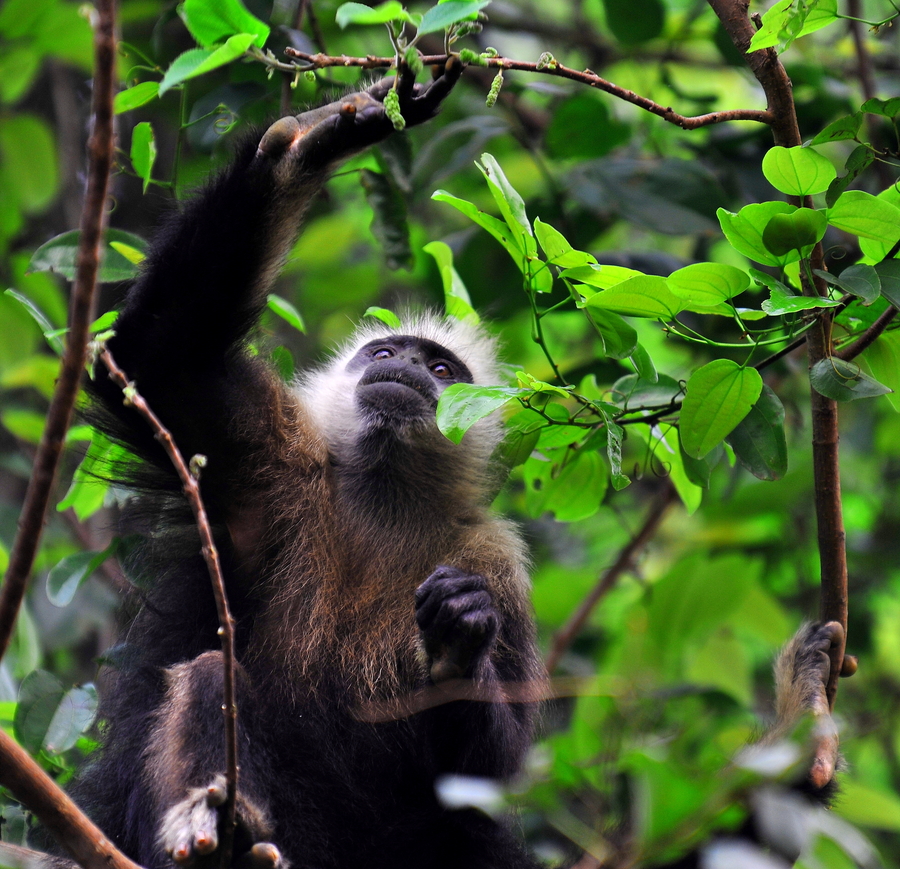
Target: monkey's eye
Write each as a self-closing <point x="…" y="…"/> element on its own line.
<point x="441" y="369"/>
<point x="383" y="353"/>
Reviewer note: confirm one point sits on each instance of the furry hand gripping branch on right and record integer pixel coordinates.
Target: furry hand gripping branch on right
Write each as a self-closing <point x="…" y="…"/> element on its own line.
<point x="360" y="556"/>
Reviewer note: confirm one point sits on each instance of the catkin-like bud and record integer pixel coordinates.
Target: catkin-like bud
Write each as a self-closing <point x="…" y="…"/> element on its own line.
<point x="392" y="109"/>
<point x="494" y="92"/>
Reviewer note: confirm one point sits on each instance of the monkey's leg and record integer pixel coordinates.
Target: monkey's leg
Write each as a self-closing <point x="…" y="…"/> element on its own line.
<point x="463" y="633"/>
<point x="801" y="674"/>
<point x="185" y="764"/>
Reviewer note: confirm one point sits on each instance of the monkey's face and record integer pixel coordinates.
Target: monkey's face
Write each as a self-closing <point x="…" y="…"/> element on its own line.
<point x="401" y="377"/>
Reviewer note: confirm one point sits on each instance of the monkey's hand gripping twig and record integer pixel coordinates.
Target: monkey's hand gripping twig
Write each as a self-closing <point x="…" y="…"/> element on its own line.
<point x="333" y="132"/>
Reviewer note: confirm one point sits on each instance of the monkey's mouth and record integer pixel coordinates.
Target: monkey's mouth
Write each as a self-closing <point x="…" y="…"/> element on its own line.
<point x="397" y="393"/>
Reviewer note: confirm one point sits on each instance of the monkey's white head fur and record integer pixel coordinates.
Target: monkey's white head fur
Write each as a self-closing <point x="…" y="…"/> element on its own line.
<point x="325" y="390"/>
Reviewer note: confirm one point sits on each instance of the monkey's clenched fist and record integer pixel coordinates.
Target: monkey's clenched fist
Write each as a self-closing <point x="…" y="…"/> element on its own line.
<point x="458" y="620"/>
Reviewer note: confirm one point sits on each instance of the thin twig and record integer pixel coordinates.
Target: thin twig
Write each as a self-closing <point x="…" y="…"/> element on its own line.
<point x="191" y="489"/>
<point x="86" y="842"/>
<point x="587" y="77"/>
<point x="59" y="416"/>
<point x="851" y="351"/>
<point x="566" y="636"/>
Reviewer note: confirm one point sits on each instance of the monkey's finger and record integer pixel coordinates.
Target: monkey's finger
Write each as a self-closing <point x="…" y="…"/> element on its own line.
<point x="434" y="93"/>
<point x="205" y="841"/>
<point x="263" y="855"/>
<point x="405" y="84"/>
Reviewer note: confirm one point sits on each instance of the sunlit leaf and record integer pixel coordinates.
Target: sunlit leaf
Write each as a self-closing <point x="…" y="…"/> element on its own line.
<point x="860" y="213"/>
<point x="197" y="61"/>
<point x="797" y="171"/>
<point x="211" y="21"/>
<point x="143" y="151"/>
<point x="745" y="231"/>
<point x="286" y="311"/>
<point x="135" y="96"/>
<point x="719" y="395"/>
<point x="461" y="405"/>
<point x="797" y="231"/>
<point x="642" y="296"/>
<point x="708" y="284"/>
<point x="444" y="14"/>
<point x="357" y="13"/>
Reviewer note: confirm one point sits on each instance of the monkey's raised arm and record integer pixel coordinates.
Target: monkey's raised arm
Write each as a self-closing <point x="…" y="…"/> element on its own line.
<point x="205" y="279"/>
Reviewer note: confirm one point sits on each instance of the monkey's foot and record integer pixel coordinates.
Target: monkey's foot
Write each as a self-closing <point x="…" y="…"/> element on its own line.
<point x="190" y="830"/>
<point x="801" y="675"/>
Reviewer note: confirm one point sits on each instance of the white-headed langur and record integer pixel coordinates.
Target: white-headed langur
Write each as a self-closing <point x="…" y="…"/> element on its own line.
<point x="360" y="556"/>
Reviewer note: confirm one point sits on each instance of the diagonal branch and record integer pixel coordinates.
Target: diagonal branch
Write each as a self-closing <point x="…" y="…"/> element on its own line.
<point x="625" y="561"/>
<point x="211" y="555"/>
<point x="59" y="416"/>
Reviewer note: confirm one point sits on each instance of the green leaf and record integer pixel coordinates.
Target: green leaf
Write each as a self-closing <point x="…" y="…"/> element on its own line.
<point x="389" y="318"/>
<point x="511" y="204"/>
<point x="39" y="697"/>
<point x="797" y="171"/>
<point x="68" y="575"/>
<point x="29" y="166"/>
<point x="496" y="228"/>
<point x="73" y="716"/>
<point x="704" y="285"/>
<point x="719" y="395"/>
<point x="643" y="364"/>
<point x="618" y="338"/>
<point x="18" y="68"/>
<point x="882" y="358"/>
<point x="862" y="214"/>
<point x="635" y="21"/>
<point x="839" y="130"/>
<point x="50" y="334"/>
<point x="780" y="303"/>
<point x="886" y="108"/>
<point x="788" y="20"/>
<point x="461" y="405"/>
<point x="284" y="309"/>
<point x="869" y="806"/>
<point x="861" y="157"/>
<point x="135" y="96"/>
<point x="60" y="254"/>
<point x="577" y="491"/>
<point x="797" y="231"/>
<point x="758" y="439"/>
<point x="858" y="280"/>
<point x="357" y="13"/>
<point x="843" y="381"/>
<point x="457" y="303"/>
<point x="643" y="296"/>
<point x="583" y="128"/>
<point x="889" y="277"/>
<point x="663" y="442"/>
<point x="211" y="21"/>
<point x="601" y="276"/>
<point x="197" y="61"/>
<point x="143" y="151"/>
<point x="875" y="251"/>
<point x="744" y="231"/>
<point x="89" y="486"/>
<point x="557" y="248"/>
<point x="633" y="393"/>
<point x="440" y="17"/>
<point x="26" y="425"/>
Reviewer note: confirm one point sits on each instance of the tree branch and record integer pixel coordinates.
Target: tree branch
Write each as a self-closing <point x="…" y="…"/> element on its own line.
<point x="552" y="68"/>
<point x="851" y="351"/>
<point x="86" y="842"/>
<point x="772" y="76"/>
<point x="59" y="416"/>
<point x="625" y="561"/>
<point x="191" y="489"/>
